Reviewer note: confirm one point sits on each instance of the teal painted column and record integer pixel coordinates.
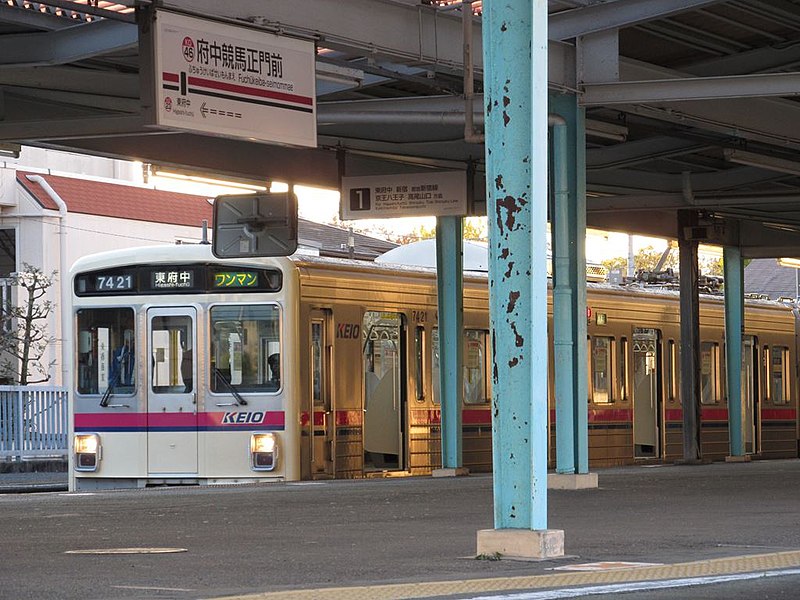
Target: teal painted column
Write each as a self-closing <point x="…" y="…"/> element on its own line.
<point x="515" y="89"/>
<point x="563" y="301"/>
<point x="450" y="288"/>
<point x="569" y="277"/>
<point x="734" y="327"/>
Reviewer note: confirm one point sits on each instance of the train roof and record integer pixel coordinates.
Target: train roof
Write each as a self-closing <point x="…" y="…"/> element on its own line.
<point x="163" y="254"/>
<point x="179" y="253"/>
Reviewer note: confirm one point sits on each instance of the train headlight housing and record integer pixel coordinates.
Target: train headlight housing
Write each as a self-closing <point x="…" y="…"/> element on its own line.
<point x="263" y="451"/>
<point x="88" y="451"/>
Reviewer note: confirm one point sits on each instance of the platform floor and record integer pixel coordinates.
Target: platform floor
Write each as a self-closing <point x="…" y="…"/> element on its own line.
<point x="392" y="538"/>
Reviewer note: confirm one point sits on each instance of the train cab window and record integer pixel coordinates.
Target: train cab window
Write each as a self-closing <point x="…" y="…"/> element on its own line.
<point x="172" y="349"/>
<point x="245" y="348"/>
<point x="709" y="372"/>
<point x="106" y="351"/>
<point x="778" y="381"/>
<point x="476" y="382"/>
<point x="601" y="356"/>
<point x="419" y="362"/>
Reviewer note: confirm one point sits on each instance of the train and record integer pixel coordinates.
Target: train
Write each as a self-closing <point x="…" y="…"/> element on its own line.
<point x="189" y="369"/>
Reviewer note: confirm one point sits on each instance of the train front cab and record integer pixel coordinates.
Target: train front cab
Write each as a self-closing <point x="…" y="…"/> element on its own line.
<point x="183" y="388"/>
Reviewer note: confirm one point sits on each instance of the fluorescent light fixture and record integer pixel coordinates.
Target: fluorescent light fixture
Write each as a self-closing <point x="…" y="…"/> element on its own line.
<point x="793" y="263"/>
<point x="10" y="150"/>
<point x="606" y="131"/>
<point x="762" y="161"/>
<point x="195" y="178"/>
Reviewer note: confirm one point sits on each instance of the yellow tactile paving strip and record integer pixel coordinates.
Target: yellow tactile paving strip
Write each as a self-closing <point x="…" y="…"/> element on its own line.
<point x="405" y="591"/>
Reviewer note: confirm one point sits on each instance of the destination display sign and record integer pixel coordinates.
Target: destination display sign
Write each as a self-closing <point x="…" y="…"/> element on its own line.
<point x="230" y="80"/>
<point x="176" y="279"/>
<point x="427" y="194"/>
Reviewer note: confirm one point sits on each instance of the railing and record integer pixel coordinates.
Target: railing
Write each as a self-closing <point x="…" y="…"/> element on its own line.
<point x="33" y="422"/>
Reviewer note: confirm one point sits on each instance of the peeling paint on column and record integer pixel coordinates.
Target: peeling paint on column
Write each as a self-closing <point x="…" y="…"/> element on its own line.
<point x="512" y="206"/>
<point x="512" y="301"/>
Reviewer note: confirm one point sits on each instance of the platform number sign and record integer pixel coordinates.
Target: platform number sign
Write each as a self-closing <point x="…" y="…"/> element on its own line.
<point x="360" y="198"/>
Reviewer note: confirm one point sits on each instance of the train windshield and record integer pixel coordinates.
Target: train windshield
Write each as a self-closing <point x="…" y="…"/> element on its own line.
<point x="245" y="348"/>
<point x="106" y="352"/>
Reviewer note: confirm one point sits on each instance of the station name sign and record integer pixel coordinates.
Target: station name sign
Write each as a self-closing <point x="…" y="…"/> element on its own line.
<point x="229" y="80"/>
<point x="427" y="194"/>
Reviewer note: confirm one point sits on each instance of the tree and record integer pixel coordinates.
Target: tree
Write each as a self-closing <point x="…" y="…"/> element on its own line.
<point x="24" y="338"/>
<point x="646" y="259"/>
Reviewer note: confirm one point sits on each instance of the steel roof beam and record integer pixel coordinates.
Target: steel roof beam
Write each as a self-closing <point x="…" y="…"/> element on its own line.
<point x="772" y="58"/>
<point x="73" y="79"/>
<point x="639" y="151"/>
<point x="693" y="88"/>
<point x="67" y="45"/>
<point x="32" y="18"/>
<point x="632" y="179"/>
<point x="615" y="15"/>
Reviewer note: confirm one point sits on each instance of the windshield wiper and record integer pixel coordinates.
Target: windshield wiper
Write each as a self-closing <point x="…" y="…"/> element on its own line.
<point x="109" y="391"/>
<point x="239" y="400"/>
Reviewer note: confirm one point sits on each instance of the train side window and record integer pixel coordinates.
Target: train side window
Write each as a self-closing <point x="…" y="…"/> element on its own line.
<point x="709" y="372"/>
<point x="436" y="390"/>
<point x="317" y="348"/>
<point x="622" y="369"/>
<point x="602" y="348"/>
<point x="476" y="389"/>
<point x="245" y="348"/>
<point x="778" y="374"/>
<point x="672" y="370"/>
<point x="419" y="362"/>
<point x="476" y="385"/>
<point x="106" y="351"/>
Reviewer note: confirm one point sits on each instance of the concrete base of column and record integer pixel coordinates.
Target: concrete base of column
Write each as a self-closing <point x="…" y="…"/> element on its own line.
<point x="738" y="459"/>
<point x="451" y="472"/>
<point x="521" y="543"/>
<point x="572" y="481"/>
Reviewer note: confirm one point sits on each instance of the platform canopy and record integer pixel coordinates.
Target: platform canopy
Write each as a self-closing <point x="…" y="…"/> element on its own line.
<point x="690" y="104"/>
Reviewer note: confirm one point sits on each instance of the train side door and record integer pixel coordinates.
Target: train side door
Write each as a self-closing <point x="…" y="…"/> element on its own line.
<point x="172" y="394"/>
<point x="749" y="407"/>
<point x="646" y="392"/>
<point x="323" y="421"/>
<point x="384" y="446"/>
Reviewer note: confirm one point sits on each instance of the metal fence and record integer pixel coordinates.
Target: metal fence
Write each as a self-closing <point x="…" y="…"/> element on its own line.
<point x="33" y="422"/>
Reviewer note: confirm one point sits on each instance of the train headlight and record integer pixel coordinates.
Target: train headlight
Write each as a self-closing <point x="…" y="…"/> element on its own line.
<point x="87" y="451"/>
<point x="263" y="451"/>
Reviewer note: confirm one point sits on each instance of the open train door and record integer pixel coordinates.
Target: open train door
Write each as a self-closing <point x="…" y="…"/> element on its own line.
<point x="749" y="405"/>
<point x="646" y="393"/>
<point x="171" y="393"/>
<point x="384" y="392"/>
<point x="322" y="422"/>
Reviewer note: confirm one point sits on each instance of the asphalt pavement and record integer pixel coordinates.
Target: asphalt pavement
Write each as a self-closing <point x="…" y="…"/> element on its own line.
<point x="707" y="531"/>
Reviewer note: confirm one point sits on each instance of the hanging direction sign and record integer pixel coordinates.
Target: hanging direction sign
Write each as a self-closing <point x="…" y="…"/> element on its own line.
<point x="229" y="80"/>
<point x="437" y="193"/>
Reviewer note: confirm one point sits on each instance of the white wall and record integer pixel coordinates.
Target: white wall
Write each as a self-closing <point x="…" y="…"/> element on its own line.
<point x="58" y="162"/>
<point x="38" y="231"/>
